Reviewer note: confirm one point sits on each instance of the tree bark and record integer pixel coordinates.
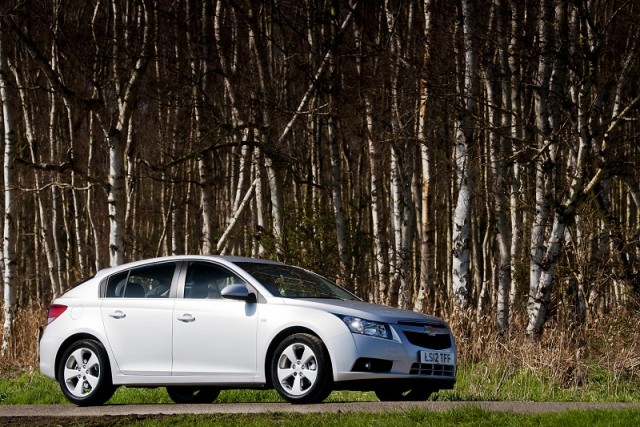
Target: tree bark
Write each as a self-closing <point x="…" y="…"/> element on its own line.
<point x="465" y="140"/>
<point x="380" y="252"/>
<point x="545" y="160"/>
<point x="500" y="98"/>
<point x="426" y="229"/>
<point x="334" y="149"/>
<point x="10" y="192"/>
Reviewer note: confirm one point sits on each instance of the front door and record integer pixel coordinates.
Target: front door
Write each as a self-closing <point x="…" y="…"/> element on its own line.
<point x="212" y="336"/>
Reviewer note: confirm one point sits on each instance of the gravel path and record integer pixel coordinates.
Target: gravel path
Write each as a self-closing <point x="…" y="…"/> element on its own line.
<point x="17" y="412"/>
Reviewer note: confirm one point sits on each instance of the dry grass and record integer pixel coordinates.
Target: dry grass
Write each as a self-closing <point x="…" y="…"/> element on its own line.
<point x="23" y="347"/>
<point x="565" y="355"/>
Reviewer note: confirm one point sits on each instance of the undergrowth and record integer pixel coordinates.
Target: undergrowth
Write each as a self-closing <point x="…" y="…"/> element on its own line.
<point x="599" y="361"/>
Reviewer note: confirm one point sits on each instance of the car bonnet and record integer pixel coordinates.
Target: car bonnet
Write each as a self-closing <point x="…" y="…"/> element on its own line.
<point x="366" y="310"/>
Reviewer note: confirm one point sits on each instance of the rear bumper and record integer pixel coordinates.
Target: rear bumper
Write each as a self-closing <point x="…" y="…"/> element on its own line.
<point x="48" y="349"/>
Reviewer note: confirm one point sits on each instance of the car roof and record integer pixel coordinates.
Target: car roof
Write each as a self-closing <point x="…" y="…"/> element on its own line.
<point x="224" y="259"/>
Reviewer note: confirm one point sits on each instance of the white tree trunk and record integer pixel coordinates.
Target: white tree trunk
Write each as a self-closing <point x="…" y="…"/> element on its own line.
<point x="336" y="198"/>
<point x="78" y="209"/>
<point x="460" y="236"/>
<point x="116" y="200"/>
<point x="517" y="134"/>
<point x="499" y="189"/>
<point x="401" y="173"/>
<point x="465" y="136"/>
<point x="408" y="231"/>
<point x="132" y="189"/>
<point x="55" y="192"/>
<point x="96" y="229"/>
<point x="539" y="301"/>
<point x="498" y="154"/>
<point x="396" y="227"/>
<point x="259" y="211"/>
<point x="634" y="191"/>
<point x="335" y="156"/>
<point x="114" y="125"/>
<point x="427" y="247"/>
<point x="425" y="230"/>
<point x="10" y="191"/>
<point x="235" y="216"/>
<point x="380" y="255"/>
<point x="205" y="170"/>
<point x="538" y="229"/>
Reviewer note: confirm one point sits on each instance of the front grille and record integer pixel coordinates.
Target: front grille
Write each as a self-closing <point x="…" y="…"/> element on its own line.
<point x="422" y="323"/>
<point x="433" y="370"/>
<point x="434" y="342"/>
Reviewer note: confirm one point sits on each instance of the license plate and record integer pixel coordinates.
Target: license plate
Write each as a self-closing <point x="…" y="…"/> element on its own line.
<point x="437" y="357"/>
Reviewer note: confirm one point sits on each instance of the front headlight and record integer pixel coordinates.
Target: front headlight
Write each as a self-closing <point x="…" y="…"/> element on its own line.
<point x="367" y="327"/>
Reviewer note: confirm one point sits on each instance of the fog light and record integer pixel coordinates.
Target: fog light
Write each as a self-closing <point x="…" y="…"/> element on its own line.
<point x="372" y="365"/>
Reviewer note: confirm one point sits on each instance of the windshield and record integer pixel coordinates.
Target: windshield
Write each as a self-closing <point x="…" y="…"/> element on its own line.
<point x="292" y="282"/>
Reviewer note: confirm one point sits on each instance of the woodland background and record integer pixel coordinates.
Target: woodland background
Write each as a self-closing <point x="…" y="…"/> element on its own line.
<point x="473" y="159"/>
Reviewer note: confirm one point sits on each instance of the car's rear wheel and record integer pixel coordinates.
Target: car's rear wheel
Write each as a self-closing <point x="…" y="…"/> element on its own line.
<point x="193" y="394"/>
<point x="84" y="373"/>
<point x="402" y="394"/>
<point x="301" y="369"/>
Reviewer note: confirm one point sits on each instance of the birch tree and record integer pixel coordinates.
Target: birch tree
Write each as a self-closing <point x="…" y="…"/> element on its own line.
<point x="114" y="124"/>
<point x="200" y="54"/>
<point x="426" y="231"/>
<point x="368" y="70"/>
<point x="465" y="141"/>
<point x="499" y="96"/>
<point x="334" y="149"/>
<point x="7" y="89"/>
<point x="515" y="121"/>
<point x="589" y="34"/>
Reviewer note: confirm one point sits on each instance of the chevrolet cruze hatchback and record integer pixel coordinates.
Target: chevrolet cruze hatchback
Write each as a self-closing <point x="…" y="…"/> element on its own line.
<point x="200" y="324"/>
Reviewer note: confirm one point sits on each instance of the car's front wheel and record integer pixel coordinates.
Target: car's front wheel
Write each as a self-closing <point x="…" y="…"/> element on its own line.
<point x="84" y="374"/>
<point x="301" y="369"/>
<point x="193" y="394"/>
<point x="402" y="394"/>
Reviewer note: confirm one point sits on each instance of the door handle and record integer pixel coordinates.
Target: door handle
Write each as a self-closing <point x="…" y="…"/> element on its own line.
<point x="186" y="318"/>
<point x="117" y="314"/>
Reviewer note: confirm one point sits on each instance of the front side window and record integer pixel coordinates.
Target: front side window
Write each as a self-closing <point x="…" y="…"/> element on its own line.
<point x="206" y="280"/>
<point x="152" y="281"/>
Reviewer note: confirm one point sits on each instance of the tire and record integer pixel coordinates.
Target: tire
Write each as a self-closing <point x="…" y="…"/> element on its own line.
<point x="301" y="369"/>
<point x="84" y="374"/>
<point x="400" y="394"/>
<point x="193" y="394"/>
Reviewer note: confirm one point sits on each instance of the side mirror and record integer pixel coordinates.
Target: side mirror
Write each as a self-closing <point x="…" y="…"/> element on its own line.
<point x="240" y="293"/>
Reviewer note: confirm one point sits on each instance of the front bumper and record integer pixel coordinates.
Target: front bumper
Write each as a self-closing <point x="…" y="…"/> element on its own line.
<point x="398" y="360"/>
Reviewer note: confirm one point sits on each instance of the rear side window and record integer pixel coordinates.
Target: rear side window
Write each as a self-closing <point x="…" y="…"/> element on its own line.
<point x="145" y="282"/>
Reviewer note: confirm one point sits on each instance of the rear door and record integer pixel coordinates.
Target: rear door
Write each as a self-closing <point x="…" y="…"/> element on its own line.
<point x="136" y="312"/>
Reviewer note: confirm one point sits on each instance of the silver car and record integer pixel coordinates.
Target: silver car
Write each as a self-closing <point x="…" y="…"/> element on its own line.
<point x="200" y="324"/>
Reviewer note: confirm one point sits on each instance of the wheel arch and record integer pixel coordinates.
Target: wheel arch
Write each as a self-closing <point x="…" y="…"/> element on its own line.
<point x="70" y="340"/>
<point x="278" y="339"/>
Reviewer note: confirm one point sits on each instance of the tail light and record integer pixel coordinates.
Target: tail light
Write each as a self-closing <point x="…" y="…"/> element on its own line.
<point x="55" y="311"/>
